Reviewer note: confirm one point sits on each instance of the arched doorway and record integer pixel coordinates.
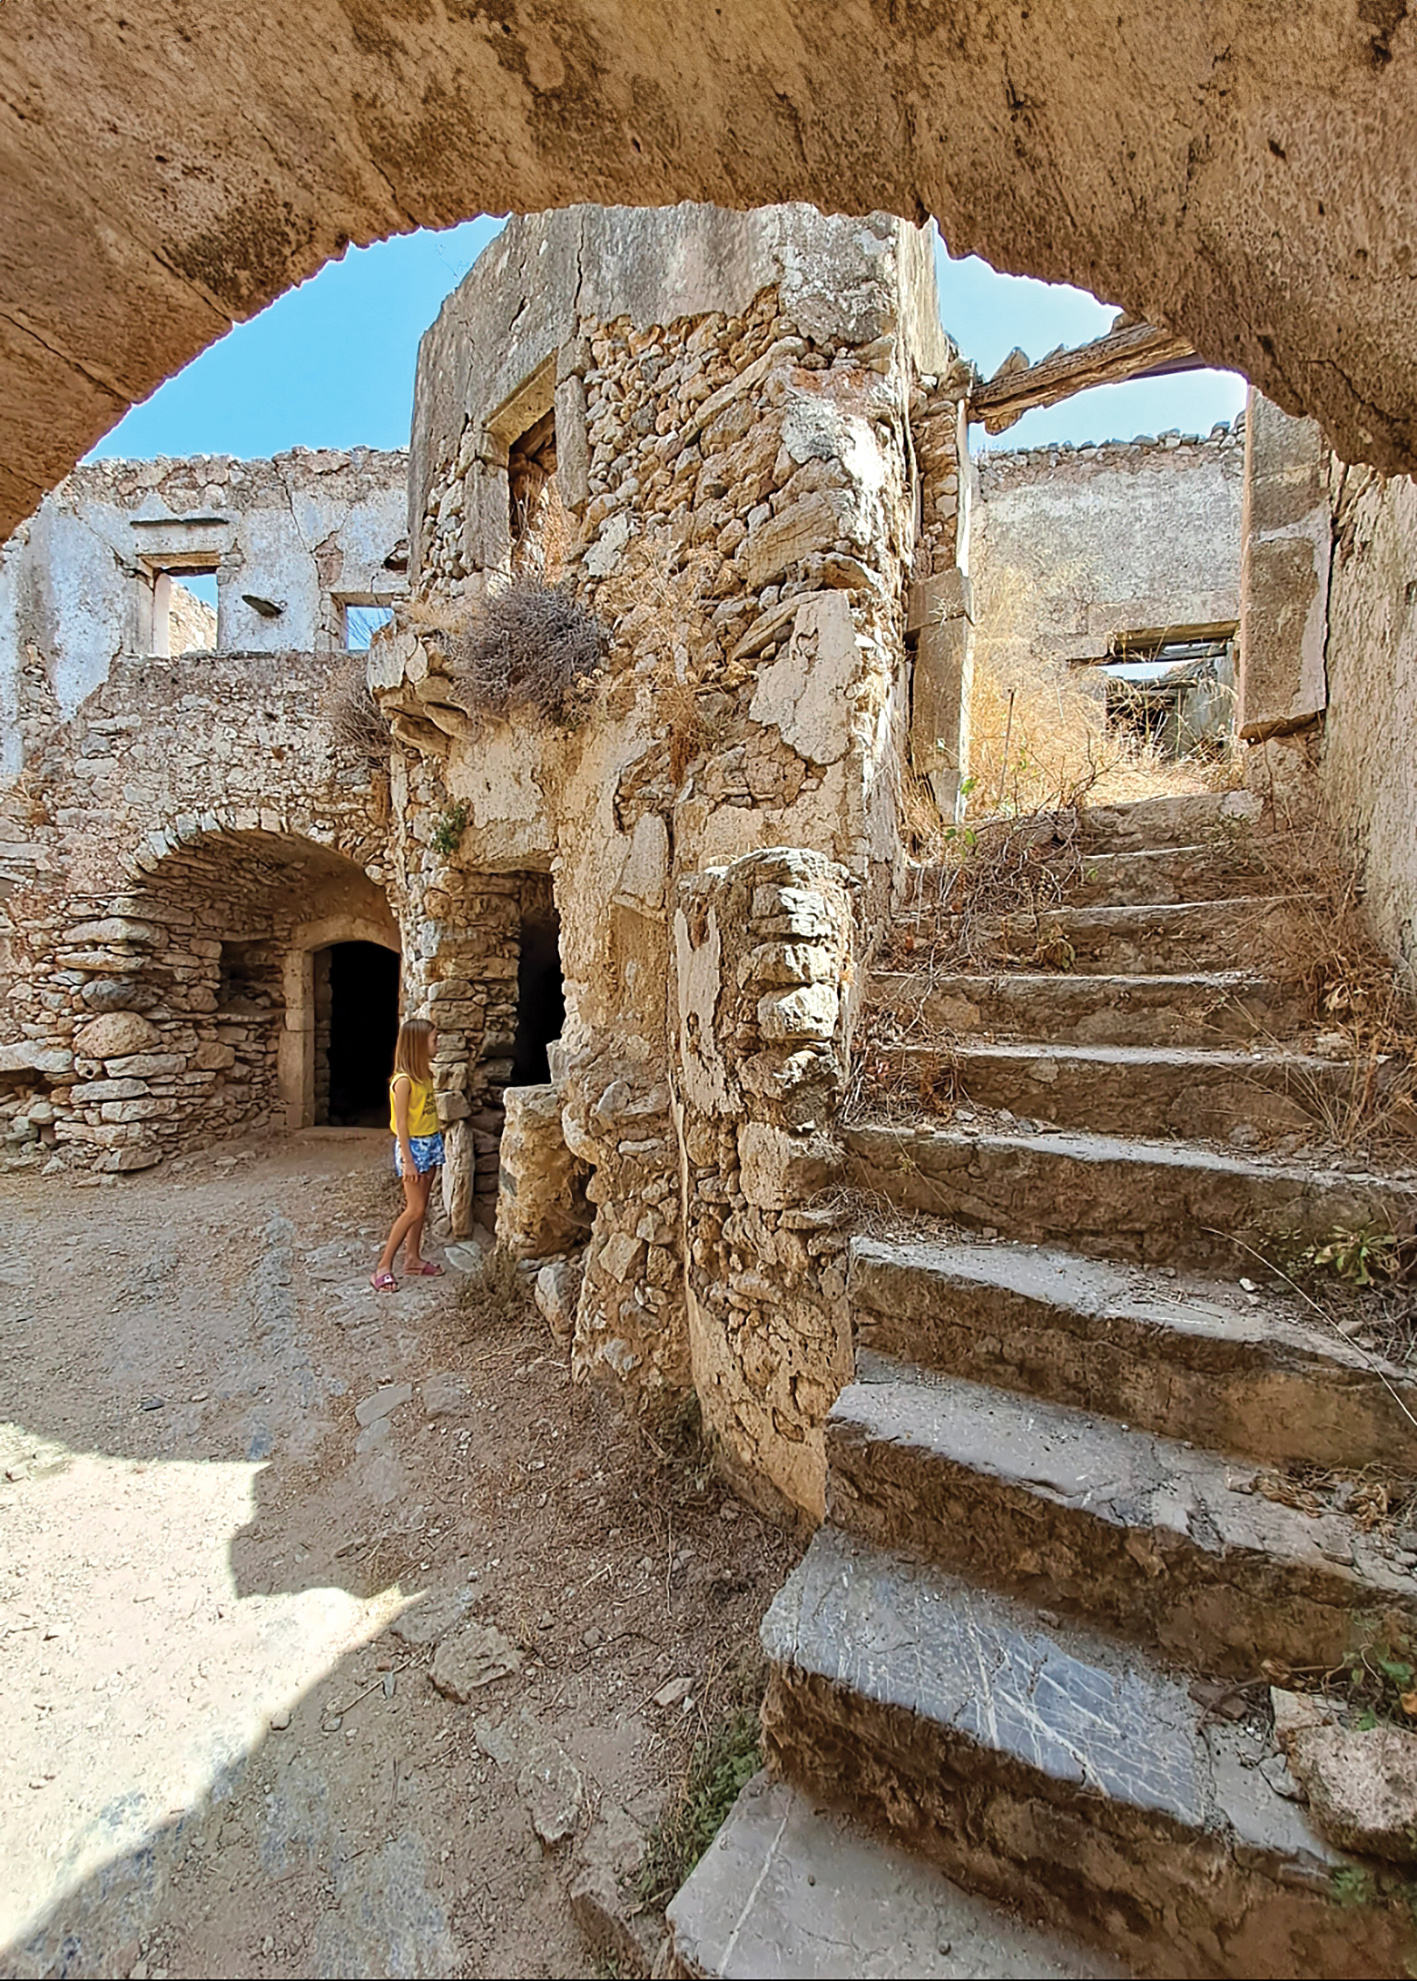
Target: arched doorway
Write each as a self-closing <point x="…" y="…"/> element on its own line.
<point x="356" y="990"/>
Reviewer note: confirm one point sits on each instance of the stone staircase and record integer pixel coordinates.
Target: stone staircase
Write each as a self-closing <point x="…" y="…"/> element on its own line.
<point x="1006" y="1654"/>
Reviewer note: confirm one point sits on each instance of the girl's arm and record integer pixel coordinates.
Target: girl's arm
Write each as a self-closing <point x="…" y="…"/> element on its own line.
<point x="403" y="1089"/>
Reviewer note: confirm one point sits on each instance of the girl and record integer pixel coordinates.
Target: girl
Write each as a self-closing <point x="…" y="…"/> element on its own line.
<point x="418" y="1148"/>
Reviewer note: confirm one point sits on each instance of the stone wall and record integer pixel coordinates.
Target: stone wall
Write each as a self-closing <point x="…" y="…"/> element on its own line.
<point x="80" y="582"/>
<point x="1072" y="545"/>
<point x="1367" y="766"/>
<point x="756" y="427"/>
<point x="163" y="856"/>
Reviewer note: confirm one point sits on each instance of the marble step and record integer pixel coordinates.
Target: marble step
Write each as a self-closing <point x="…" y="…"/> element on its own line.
<point x="1047" y="1768"/>
<point x="1155" y="1202"/>
<point x="1160" y="1541"/>
<point x="1220" y="1095"/>
<point x="791" y="1891"/>
<point x="1184" y="1357"/>
<point x="1141" y="941"/>
<point x="1199" y="1008"/>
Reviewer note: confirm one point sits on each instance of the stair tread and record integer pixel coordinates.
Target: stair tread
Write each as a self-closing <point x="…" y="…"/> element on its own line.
<point x="1194" y="1306"/>
<point x="1121" y="979"/>
<point x="788" y="1889"/>
<point x="1056" y="1699"/>
<point x="1083" y="1146"/>
<point x="1119" y="1476"/>
<point x="1198" y="1058"/>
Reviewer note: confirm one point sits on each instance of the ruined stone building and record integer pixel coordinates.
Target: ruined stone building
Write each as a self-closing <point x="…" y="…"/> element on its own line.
<point x="650" y="920"/>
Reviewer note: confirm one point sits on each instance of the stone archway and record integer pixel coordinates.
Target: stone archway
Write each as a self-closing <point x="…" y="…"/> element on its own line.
<point x="208" y="976"/>
<point x="1182" y="162"/>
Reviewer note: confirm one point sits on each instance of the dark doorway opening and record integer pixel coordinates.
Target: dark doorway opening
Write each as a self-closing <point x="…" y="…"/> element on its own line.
<point x="541" y="1001"/>
<point x="356" y="1025"/>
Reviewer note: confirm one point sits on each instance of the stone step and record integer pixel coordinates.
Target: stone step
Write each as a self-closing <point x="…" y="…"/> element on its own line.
<point x="1154" y="1202"/>
<point x="1181" y="935"/>
<point x="1162" y="874"/>
<point x="1195" y="1009"/>
<point x="1185" y="1357"/>
<point x="1187" y="820"/>
<point x="1055" y="1771"/>
<point x="1223" y="1095"/>
<point x="791" y="1891"/>
<point x="1157" y="1540"/>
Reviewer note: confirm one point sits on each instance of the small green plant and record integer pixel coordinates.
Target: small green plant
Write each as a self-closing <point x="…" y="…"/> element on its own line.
<point x="1380" y="1680"/>
<point x="1353" y="1886"/>
<point x="720" y="1767"/>
<point x="446" y="835"/>
<point x="1361" y="1258"/>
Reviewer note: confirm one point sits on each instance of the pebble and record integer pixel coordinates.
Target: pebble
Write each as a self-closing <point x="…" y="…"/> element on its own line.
<point x="592" y="1638"/>
<point x="279" y="1722"/>
<point x="671" y="1693"/>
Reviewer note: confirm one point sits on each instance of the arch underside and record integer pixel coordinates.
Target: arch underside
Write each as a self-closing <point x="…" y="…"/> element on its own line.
<point x="1237" y="173"/>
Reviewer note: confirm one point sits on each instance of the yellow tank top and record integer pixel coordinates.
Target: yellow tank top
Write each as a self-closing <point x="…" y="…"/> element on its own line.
<point x="422" y="1110"/>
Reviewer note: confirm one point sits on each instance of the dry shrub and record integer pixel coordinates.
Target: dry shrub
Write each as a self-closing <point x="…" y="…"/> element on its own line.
<point x="528" y="646"/>
<point x="1042" y="745"/>
<point x="353" y="715"/>
<point x="964" y="911"/>
<point x="1323" y="948"/>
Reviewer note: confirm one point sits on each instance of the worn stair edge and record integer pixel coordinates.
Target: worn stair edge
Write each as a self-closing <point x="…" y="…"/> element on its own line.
<point x="1155" y="875"/>
<point x="1185" y="1359"/>
<point x="1154" y="1202"/>
<point x="1169" y="821"/>
<point x="1082" y="1514"/>
<point x="1139" y="1090"/>
<point x="1051" y="1770"/>
<point x="1147" y="939"/>
<point x="791" y="1891"/>
<point x="1187" y="1008"/>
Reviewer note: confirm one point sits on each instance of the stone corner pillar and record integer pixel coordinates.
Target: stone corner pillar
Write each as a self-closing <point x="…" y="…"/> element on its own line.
<point x="1286" y="541"/>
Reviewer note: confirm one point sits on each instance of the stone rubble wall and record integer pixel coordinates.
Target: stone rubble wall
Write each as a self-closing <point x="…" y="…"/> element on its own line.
<point x="765" y="961"/>
<point x="747" y="490"/>
<point x="1071" y="545"/>
<point x="298" y="532"/>
<point x="188" y="804"/>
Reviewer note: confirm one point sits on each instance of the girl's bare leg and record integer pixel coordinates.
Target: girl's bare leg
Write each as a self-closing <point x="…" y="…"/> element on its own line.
<point x="412" y="1215"/>
<point x="413" y="1238"/>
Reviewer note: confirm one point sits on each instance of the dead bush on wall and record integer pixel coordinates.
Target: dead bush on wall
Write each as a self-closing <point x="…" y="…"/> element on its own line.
<point x="353" y="715"/>
<point x="530" y="646"/>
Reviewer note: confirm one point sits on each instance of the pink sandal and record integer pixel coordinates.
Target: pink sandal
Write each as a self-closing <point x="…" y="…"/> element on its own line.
<point x="384" y="1283"/>
<point x="425" y="1269"/>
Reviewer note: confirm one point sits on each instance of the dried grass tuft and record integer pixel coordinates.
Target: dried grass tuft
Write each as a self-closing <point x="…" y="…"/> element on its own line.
<point x="529" y="646"/>
<point x="353" y="715"/>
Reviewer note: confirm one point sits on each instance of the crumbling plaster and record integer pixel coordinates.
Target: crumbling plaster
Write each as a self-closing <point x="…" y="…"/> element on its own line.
<point x="168" y="171"/>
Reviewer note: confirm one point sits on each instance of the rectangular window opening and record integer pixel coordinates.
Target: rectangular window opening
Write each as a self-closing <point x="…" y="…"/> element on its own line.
<point x="362" y="620"/>
<point x="184" y="610"/>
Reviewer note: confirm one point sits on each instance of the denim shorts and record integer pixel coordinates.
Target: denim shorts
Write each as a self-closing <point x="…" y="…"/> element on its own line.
<point x="427" y="1154"/>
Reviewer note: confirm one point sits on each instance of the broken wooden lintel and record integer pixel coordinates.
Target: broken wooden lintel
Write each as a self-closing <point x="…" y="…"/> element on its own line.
<point x="1121" y="354"/>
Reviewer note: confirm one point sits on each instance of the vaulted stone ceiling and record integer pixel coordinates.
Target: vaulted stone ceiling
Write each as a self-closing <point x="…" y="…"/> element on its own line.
<point x="1240" y="171"/>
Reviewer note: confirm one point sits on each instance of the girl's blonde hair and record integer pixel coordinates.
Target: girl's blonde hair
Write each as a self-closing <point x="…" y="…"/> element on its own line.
<point x="412" y="1055"/>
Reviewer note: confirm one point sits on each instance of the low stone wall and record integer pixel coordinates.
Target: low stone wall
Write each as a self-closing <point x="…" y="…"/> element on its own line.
<point x="765" y="962"/>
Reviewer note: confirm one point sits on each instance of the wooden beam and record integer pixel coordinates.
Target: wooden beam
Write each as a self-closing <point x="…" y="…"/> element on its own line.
<point x="1121" y="354"/>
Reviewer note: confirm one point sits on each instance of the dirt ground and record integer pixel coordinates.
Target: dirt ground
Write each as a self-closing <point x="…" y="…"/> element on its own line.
<point x="228" y="1563"/>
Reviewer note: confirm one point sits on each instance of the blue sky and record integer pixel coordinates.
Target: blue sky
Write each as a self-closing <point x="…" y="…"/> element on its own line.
<point x="331" y="363"/>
